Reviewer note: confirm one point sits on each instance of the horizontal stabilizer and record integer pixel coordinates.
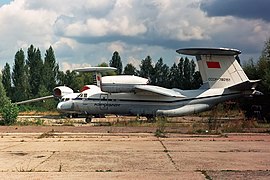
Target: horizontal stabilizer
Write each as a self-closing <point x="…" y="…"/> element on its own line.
<point x="157" y="90"/>
<point x="247" y="85"/>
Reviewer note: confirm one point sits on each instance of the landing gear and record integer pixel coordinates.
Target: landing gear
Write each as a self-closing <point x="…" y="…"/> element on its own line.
<point x="73" y="115"/>
<point x="150" y="118"/>
<point x="88" y="119"/>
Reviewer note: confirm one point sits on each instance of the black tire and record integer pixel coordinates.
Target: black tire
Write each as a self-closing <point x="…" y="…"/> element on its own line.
<point x="88" y="119"/>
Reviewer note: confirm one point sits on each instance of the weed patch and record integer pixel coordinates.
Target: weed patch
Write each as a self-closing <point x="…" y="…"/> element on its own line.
<point x="161" y="125"/>
<point x="47" y="134"/>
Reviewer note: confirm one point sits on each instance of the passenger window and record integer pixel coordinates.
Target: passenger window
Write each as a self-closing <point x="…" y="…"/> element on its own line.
<point x="85" y="95"/>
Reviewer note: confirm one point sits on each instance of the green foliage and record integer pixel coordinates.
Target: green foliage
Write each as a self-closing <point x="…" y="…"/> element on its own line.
<point x="161" y="125"/>
<point x="116" y="62"/>
<point x="19" y="78"/>
<point x="184" y="76"/>
<point x="35" y="67"/>
<point x="174" y="76"/>
<point x="4" y="99"/>
<point x="130" y="70"/>
<point x="10" y="112"/>
<point x="146" y="68"/>
<point x="161" y="74"/>
<point x="50" y="70"/>
<point x="6" y="79"/>
<point x="260" y="70"/>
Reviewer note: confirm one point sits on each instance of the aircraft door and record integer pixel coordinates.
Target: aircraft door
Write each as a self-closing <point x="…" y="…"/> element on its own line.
<point x="103" y="101"/>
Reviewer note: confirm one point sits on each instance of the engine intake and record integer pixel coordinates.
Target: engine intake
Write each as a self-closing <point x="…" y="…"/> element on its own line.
<point x="60" y="91"/>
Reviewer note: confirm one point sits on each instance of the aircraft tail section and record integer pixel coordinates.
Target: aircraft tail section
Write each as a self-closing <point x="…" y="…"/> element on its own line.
<point x="218" y="66"/>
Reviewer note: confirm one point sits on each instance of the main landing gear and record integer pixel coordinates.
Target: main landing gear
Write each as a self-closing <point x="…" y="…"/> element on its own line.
<point x="88" y="119"/>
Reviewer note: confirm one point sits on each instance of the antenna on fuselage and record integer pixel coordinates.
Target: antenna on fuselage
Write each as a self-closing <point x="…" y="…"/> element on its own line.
<point x="97" y="73"/>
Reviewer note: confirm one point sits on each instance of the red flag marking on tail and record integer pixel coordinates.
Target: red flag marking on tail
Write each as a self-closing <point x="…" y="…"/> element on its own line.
<point x="211" y="64"/>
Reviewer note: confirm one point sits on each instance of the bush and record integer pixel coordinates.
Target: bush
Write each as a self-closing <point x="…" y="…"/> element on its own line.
<point x="10" y="113"/>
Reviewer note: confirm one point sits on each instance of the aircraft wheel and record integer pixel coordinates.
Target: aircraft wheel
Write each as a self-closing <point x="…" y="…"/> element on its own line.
<point x="88" y="119"/>
<point x="151" y="119"/>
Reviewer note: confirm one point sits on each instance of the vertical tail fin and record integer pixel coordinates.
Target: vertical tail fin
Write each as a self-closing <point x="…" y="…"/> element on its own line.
<point x="218" y="66"/>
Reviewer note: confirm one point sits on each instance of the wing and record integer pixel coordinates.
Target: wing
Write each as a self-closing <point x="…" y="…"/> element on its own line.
<point x="157" y="90"/>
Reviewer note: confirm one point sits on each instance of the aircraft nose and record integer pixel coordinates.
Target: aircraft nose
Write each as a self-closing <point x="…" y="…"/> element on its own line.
<point x="65" y="106"/>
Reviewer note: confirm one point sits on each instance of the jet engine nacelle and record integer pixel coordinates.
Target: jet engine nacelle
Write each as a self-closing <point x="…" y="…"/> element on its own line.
<point x="187" y="109"/>
<point x="121" y="83"/>
<point x="60" y="91"/>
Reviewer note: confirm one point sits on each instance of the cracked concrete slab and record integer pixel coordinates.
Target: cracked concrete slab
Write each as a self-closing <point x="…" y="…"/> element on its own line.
<point x="133" y="156"/>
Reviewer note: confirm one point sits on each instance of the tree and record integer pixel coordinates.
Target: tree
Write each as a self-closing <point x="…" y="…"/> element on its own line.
<point x="147" y="69"/>
<point x="19" y="78"/>
<point x="4" y="99"/>
<point x="251" y="69"/>
<point x="73" y="81"/>
<point x="6" y="80"/>
<point x="10" y="113"/>
<point x="130" y="70"/>
<point x="197" y="80"/>
<point x="8" y="110"/>
<point x="181" y="73"/>
<point x="161" y="76"/>
<point x="174" y="76"/>
<point x="264" y="67"/>
<point x="186" y="74"/>
<point x="50" y="70"/>
<point x="35" y="67"/>
<point x="116" y="62"/>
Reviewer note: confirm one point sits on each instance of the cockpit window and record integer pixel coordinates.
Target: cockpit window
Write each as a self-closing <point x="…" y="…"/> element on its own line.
<point x="65" y="99"/>
<point x="83" y="95"/>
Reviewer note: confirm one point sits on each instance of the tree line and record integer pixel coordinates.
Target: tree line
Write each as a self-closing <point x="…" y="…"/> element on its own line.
<point x="180" y="75"/>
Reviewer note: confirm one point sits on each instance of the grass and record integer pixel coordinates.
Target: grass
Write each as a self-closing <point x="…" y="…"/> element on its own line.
<point x="35" y="122"/>
<point x="39" y="113"/>
<point x="161" y="125"/>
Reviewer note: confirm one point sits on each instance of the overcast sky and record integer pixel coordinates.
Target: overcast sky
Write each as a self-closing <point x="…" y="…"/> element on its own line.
<point x="87" y="32"/>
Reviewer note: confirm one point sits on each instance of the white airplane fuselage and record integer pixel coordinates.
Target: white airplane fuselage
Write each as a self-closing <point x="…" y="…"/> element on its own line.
<point x="146" y="104"/>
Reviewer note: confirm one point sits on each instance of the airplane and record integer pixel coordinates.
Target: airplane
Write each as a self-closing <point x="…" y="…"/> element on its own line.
<point x="223" y="79"/>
